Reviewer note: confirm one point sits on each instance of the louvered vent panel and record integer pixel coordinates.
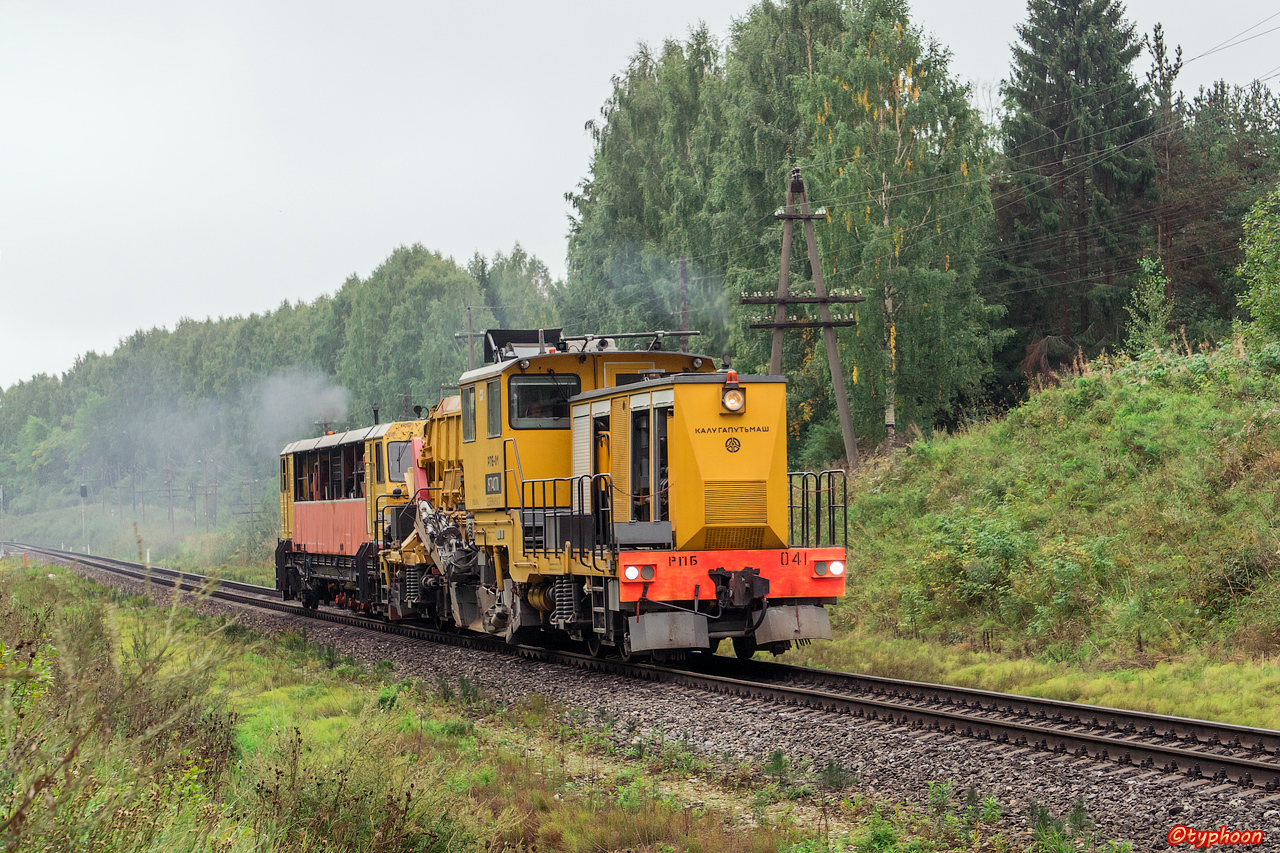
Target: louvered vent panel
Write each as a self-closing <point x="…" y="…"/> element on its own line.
<point x="736" y="502"/>
<point x="620" y="458"/>
<point x="735" y="539"/>
<point x="581" y="445"/>
<point x="581" y="454"/>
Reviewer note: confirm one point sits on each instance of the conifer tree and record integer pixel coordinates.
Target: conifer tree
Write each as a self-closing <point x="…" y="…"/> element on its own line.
<point x="1078" y="167"/>
<point x="1230" y="138"/>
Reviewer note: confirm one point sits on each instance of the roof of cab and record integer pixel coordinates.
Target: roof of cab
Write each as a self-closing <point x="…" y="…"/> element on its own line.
<point x="352" y="436"/>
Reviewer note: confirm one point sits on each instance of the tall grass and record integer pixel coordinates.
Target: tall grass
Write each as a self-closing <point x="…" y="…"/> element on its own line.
<point x="1122" y="521"/>
<point x="129" y="728"/>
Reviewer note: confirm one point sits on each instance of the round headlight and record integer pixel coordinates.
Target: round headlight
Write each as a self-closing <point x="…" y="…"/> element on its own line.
<point x="837" y="567"/>
<point x="733" y="400"/>
<point x="631" y="573"/>
<point x="697" y="362"/>
<point x="646" y="572"/>
<point x="820" y="567"/>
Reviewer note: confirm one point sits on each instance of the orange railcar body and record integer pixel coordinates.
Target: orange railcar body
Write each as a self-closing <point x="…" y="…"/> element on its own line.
<point x="330" y="527"/>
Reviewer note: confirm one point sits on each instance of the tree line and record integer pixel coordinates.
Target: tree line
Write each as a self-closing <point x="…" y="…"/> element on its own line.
<point x="987" y="250"/>
<point x="213" y="401"/>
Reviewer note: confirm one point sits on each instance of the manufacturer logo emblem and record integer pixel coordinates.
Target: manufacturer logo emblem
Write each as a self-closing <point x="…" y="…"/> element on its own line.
<point x="733" y="445"/>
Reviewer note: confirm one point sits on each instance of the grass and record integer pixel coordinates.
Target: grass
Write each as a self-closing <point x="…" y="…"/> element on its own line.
<point x="126" y="727"/>
<point x="1195" y="685"/>
<point x="1111" y="541"/>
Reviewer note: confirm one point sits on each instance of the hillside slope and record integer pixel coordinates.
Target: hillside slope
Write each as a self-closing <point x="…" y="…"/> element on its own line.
<point x="1128" y="514"/>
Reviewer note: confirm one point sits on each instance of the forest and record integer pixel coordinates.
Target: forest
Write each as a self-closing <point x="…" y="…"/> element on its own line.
<point x="1098" y="209"/>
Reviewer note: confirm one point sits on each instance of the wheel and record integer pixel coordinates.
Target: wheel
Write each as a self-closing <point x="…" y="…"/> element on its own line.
<point x="744" y="647"/>
<point x="441" y="620"/>
<point x="628" y="656"/>
<point x="595" y="647"/>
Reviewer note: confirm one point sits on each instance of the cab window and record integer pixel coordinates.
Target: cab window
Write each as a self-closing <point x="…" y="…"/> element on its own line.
<point x="469" y="413"/>
<point x="399" y="458"/>
<point x="493" y="406"/>
<point x="541" y="401"/>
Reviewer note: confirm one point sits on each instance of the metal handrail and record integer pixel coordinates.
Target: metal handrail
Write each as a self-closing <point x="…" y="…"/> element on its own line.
<point x="529" y="504"/>
<point x="582" y="491"/>
<point x="519" y="471"/>
<point x="812" y="508"/>
<point x="597" y="546"/>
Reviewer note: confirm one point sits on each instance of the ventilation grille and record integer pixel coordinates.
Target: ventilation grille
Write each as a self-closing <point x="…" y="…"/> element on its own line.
<point x="736" y="502"/>
<point x="620" y="458"/>
<point x="734" y="539"/>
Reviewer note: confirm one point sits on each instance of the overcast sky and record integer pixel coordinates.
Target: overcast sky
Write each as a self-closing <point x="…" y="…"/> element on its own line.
<point x="161" y="160"/>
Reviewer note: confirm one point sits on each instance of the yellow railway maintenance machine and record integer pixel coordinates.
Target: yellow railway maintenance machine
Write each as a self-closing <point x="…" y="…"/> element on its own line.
<point x="636" y="500"/>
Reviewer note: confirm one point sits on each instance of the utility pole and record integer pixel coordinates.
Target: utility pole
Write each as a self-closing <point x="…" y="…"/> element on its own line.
<point x="471" y="336"/>
<point x="168" y="488"/>
<point x="684" y="303"/>
<point x="205" y="467"/>
<point x="251" y="509"/>
<point x="84" y="536"/>
<point x="828" y="324"/>
<point x="471" y="343"/>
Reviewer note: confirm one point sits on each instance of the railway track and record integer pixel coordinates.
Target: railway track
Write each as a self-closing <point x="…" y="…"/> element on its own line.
<point x="1196" y="753"/>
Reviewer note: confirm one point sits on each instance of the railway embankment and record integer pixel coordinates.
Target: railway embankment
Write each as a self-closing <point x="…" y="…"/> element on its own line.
<point x="1112" y="540"/>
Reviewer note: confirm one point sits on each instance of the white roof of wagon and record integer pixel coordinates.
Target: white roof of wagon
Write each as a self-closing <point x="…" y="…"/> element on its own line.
<point x="352" y="436"/>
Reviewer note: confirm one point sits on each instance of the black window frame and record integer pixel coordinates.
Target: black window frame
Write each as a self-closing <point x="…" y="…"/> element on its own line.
<point x="377" y="461"/>
<point x="660" y="472"/>
<point x="468" y="414"/>
<point x="493" y="407"/>
<point x="570" y="385"/>
<point x="641" y="484"/>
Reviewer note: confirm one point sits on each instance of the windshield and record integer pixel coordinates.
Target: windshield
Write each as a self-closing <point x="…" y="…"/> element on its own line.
<point x="542" y="401"/>
<point x="399" y="458"/>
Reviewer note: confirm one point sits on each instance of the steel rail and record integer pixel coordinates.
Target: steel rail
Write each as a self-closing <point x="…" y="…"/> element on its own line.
<point x="1164" y="745"/>
<point x="1194" y="735"/>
